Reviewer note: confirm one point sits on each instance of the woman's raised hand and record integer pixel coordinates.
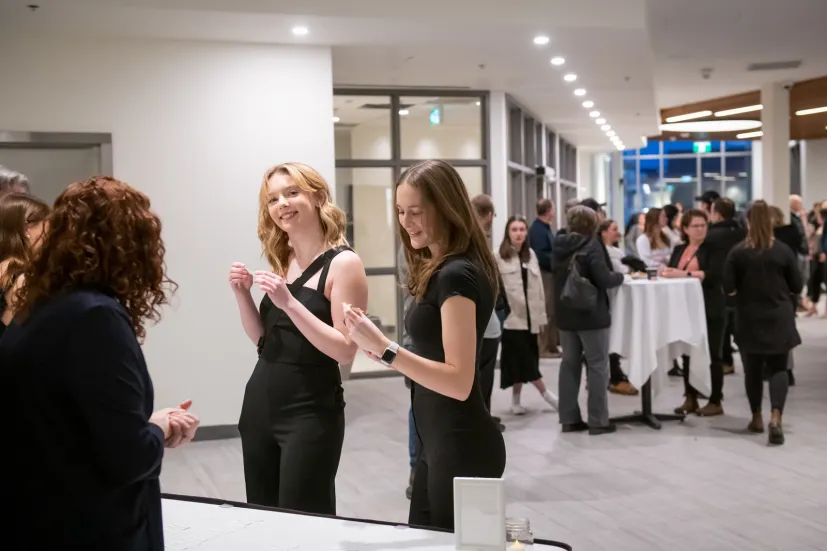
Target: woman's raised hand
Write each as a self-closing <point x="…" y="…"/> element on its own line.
<point x="240" y="278"/>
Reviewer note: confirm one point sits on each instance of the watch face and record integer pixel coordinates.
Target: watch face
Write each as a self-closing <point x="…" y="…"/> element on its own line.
<point x="388" y="356"/>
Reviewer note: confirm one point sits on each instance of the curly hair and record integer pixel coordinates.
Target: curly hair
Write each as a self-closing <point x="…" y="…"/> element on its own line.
<point x="274" y="240"/>
<point x="17" y="212"/>
<point x="101" y="234"/>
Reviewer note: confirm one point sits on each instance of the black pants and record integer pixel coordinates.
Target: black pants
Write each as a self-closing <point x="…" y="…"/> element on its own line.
<point x="715" y="334"/>
<point x="729" y="332"/>
<point x="293" y="465"/>
<point x="616" y="375"/>
<point x="817" y="277"/>
<point x="774" y="367"/>
<point x="488" y="361"/>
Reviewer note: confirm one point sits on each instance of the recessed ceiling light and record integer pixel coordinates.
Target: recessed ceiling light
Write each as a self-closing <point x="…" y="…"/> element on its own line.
<point x="594" y="114"/>
<point x="541" y="40"/>
<point x="336" y="119"/>
<point x="611" y="133"/>
<point x="300" y="31"/>
<point x="711" y="126"/>
<point x="403" y="112"/>
<point x="601" y="120"/>
<point x="738" y="110"/>
<point x="605" y="127"/>
<point x="588" y="104"/>
<point x="571" y="77"/>
<point x="479" y="103"/>
<point x="746" y="135"/>
<point x="812" y="111"/>
<point x="689" y="116"/>
<point x="557" y="61"/>
<point x="580" y="92"/>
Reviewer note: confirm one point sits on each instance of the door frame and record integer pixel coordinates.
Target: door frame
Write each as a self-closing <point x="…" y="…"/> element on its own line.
<point x="101" y="141"/>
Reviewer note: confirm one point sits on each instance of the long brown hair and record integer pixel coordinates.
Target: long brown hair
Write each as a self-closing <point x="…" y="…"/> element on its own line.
<point x="17" y="212"/>
<point x="275" y="240"/>
<point x="507" y="249"/>
<point x="456" y="225"/>
<point x="653" y="230"/>
<point x="102" y="234"/>
<point x="759" y="226"/>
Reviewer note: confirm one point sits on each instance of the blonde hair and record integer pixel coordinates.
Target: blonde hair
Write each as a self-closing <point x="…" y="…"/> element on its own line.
<point x="759" y="226"/>
<point x="454" y="223"/>
<point x="275" y="241"/>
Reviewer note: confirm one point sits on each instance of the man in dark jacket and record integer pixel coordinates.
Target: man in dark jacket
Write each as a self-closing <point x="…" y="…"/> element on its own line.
<point x="584" y="333"/>
<point x="541" y="240"/>
<point x="723" y="234"/>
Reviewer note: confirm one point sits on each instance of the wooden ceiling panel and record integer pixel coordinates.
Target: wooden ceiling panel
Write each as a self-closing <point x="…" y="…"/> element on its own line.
<point x="803" y="95"/>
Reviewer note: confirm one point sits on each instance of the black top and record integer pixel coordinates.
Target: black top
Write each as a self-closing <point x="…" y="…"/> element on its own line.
<point x="83" y="469"/>
<point x="790" y="236"/>
<point x="763" y="282"/>
<point x="593" y="265"/>
<point x="711" y="263"/>
<point x="438" y="415"/>
<point x="305" y="378"/>
<point x="723" y="236"/>
<point x="541" y="239"/>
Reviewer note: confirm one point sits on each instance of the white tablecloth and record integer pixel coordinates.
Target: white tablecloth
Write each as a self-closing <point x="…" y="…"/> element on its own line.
<point x="654" y="322"/>
<point x="206" y="527"/>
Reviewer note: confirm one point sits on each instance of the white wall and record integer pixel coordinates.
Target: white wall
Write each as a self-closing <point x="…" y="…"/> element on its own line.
<point x="49" y="170"/>
<point x="813" y="171"/>
<point x="194" y="125"/>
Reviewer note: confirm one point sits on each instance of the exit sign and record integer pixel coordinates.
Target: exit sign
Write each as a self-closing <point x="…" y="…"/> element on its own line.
<point x="436" y="115"/>
<point x="702" y="147"/>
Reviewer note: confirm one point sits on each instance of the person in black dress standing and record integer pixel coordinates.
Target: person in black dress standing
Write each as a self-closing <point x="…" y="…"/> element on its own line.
<point x="453" y="278"/>
<point x="764" y="314"/>
<point x="292" y="419"/>
<point x="85" y="465"/>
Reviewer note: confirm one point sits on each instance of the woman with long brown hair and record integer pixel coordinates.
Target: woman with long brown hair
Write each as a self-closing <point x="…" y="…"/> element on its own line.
<point x="292" y="421"/>
<point x="452" y="276"/>
<point x="22" y="220"/>
<point x="88" y="456"/>
<point x="764" y="316"/>
<point x="523" y="289"/>
<point x="654" y="245"/>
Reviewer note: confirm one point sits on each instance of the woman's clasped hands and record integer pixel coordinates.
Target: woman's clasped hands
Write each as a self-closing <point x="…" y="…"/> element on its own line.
<point x="178" y="424"/>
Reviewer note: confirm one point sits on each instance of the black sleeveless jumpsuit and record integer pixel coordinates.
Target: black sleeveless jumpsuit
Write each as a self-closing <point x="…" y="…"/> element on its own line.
<point x="292" y="420"/>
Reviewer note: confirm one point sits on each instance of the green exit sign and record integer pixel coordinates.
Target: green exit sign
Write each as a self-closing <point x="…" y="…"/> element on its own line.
<point x="436" y="115"/>
<point x="702" y="147"/>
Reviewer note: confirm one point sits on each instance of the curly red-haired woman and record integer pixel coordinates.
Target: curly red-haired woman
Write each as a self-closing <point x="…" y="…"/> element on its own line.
<point x="87" y="447"/>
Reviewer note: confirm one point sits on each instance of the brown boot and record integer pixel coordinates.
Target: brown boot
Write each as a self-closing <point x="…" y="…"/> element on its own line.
<point x="711" y="410"/>
<point x="690" y="405"/>
<point x="728" y="369"/>
<point x="757" y="423"/>
<point x="625" y="388"/>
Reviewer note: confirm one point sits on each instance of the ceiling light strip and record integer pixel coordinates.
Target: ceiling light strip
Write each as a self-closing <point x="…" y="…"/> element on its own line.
<point x="812" y="111"/>
<point x="689" y="116"/>
<point x="747" y="135"/>
<point x="738" y="110"/>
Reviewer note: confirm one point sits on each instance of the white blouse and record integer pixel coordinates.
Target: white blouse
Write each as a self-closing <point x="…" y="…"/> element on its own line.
<point x="654" y="258"/>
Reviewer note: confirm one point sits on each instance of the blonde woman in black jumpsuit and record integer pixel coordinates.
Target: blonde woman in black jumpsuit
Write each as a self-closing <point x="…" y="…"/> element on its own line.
<point x="292" y="419"/>
<point x="452" y="275"/>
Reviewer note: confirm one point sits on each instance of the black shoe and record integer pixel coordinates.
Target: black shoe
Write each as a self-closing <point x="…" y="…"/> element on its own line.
<point x="776" y="436"/>
<point x="791" y="376"/>
<point x="608" y="429"/>
<point x="501" y="427"/>
<point x="575" y="427"/>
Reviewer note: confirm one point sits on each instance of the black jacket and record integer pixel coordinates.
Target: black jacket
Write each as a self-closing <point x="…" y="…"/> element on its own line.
<point x="723" y="236"/>
<point x="711" y="263"/>
<point x="802" y="246"/>
<point x="84" y="470"/>
<point x="790" y="236"/>
<point x="763" y="282"/>
<point x="591" y="257"/>
<point x="541" y="240"/>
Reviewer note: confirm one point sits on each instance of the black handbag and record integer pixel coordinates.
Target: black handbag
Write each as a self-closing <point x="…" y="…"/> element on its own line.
<point x="578" y="292"/>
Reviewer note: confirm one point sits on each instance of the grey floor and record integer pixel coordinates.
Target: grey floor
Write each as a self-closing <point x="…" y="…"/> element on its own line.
<point x="703" y="484"/>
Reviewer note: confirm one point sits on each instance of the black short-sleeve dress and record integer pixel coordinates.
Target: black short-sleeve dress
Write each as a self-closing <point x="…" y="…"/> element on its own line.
<point x="458" y="438"/>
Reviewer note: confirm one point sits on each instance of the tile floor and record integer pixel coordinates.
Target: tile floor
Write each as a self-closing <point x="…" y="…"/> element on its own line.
<point x="703" y="484"/>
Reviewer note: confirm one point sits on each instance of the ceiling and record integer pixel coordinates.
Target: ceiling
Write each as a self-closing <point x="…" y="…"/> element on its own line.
<point x="804" y="95"/>
<point x="632" y="56"/>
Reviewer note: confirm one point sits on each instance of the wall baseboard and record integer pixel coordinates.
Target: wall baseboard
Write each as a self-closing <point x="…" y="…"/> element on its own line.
<point x="216" y="432"/>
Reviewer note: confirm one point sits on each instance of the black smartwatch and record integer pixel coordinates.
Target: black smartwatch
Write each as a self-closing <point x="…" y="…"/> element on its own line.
<point x="389" y="355"/>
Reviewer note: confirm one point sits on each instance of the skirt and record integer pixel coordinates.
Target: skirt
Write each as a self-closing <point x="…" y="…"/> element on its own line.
<point x="519" y="358"/>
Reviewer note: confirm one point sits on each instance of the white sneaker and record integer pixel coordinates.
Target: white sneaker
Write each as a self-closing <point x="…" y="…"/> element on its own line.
<point x="551" y="399"/>
<point x="517" y="409"/>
